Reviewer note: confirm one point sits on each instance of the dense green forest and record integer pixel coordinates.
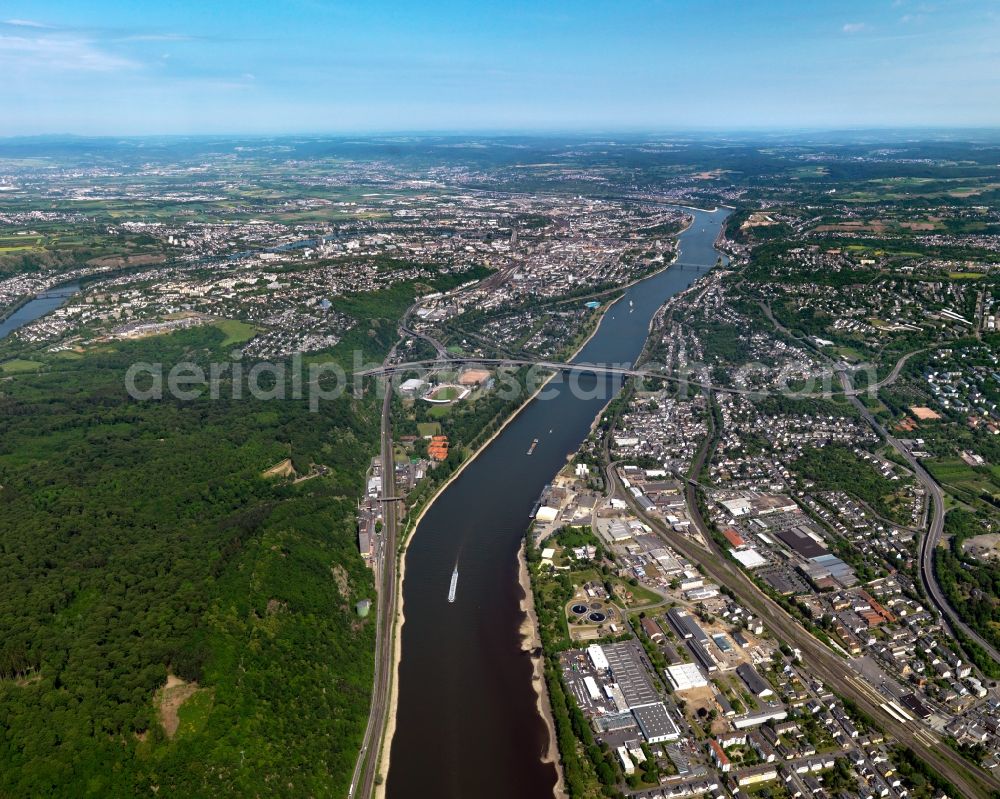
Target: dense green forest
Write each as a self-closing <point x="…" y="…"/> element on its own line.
<point x="836" y="468"/>
<point x="971" y="585"/>
<point x="140" y="540"/>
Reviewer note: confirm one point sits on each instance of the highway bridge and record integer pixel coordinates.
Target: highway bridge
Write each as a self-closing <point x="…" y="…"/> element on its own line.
<point x="450" y="361"/>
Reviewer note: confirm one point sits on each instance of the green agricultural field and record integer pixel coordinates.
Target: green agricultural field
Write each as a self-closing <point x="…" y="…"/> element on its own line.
<point x="20" y="241"/>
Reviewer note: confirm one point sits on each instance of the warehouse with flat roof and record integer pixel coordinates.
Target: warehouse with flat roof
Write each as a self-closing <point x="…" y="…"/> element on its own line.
<point x="630" y="674"/>
<point x="686" y="675"/>
<point x="655" y="723"/>
<point x="597" y="658"/>
<point x="799" y="540"/>
<point x="686" y="625"/>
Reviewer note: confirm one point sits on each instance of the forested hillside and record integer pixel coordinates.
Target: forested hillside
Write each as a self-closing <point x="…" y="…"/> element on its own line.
<point x="140" y="543"/>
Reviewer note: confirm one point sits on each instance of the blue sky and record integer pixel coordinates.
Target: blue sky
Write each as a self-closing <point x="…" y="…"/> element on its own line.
<point x="299" y="66"/>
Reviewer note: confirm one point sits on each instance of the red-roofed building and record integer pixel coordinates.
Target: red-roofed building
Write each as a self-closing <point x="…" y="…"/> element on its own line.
<point x="719" y="755"/>
<point x="734" y="538"/>
<point x="438" y="448"/>
<point x="878" y="613"/>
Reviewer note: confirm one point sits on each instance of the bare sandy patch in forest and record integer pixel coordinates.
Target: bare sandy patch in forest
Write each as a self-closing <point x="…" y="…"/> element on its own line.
<point x="283" y="469"/>
<point x="169" y="700"/>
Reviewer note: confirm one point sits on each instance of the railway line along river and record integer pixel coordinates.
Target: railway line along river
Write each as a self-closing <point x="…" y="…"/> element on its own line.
<point x="467" y="721"/>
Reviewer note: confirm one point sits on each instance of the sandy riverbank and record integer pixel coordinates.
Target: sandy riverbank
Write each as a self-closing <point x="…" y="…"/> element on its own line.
<point x="531" y="642"/>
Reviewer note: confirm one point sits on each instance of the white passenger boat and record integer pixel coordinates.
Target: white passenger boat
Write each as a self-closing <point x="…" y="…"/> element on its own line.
<point x="454" y="585"/>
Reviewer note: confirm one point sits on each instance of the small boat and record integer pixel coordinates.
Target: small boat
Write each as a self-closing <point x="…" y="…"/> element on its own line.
<point x="453" y="588"/>
<point x="534" y="443"/>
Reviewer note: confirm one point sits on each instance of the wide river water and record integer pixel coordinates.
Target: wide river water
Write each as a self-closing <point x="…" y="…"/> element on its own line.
<point x="467" y="722"/>
<point x="38" y="307"/>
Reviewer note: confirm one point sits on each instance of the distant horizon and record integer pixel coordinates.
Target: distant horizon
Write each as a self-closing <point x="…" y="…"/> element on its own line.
<point x="541" y="132"/>
<point x="115" y="68"/>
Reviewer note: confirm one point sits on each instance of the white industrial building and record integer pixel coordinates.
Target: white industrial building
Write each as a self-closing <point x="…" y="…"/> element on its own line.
<point x="597" y="657"/>
<point x="627" y="765"/>
<point x="737" y="507"/>
<point x="750" y="558"/>
<point x="412" y="386"/>
<point x="683" y="676"/>
<point x="546" y="514"/>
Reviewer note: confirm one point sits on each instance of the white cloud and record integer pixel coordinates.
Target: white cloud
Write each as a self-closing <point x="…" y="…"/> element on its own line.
<point x="25" y="23"/>
<point x="853" y="27"/>
<point x="157" y="37"/>
<point x="58" y="54"/>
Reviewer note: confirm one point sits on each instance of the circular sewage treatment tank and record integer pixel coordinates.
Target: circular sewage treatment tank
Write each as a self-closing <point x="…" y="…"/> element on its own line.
<point x="579" y="610"/>
<point x="597" y="617"/>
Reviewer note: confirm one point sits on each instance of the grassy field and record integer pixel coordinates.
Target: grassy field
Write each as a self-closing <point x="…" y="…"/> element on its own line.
<point x="957" y="475"/>
<point x="236" y="332"/>
<point x="640" y="594"/>
<point x="848" y="353"/>
<point x="194" y="712"/>
<point x="20" y="365"/>
<point x="448" y="393"/>
<point x="425" y="429"/>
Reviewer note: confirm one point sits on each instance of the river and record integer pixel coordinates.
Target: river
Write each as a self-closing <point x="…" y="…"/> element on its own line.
<point x="38" y="307"/>
<point x="467" y="723"/>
